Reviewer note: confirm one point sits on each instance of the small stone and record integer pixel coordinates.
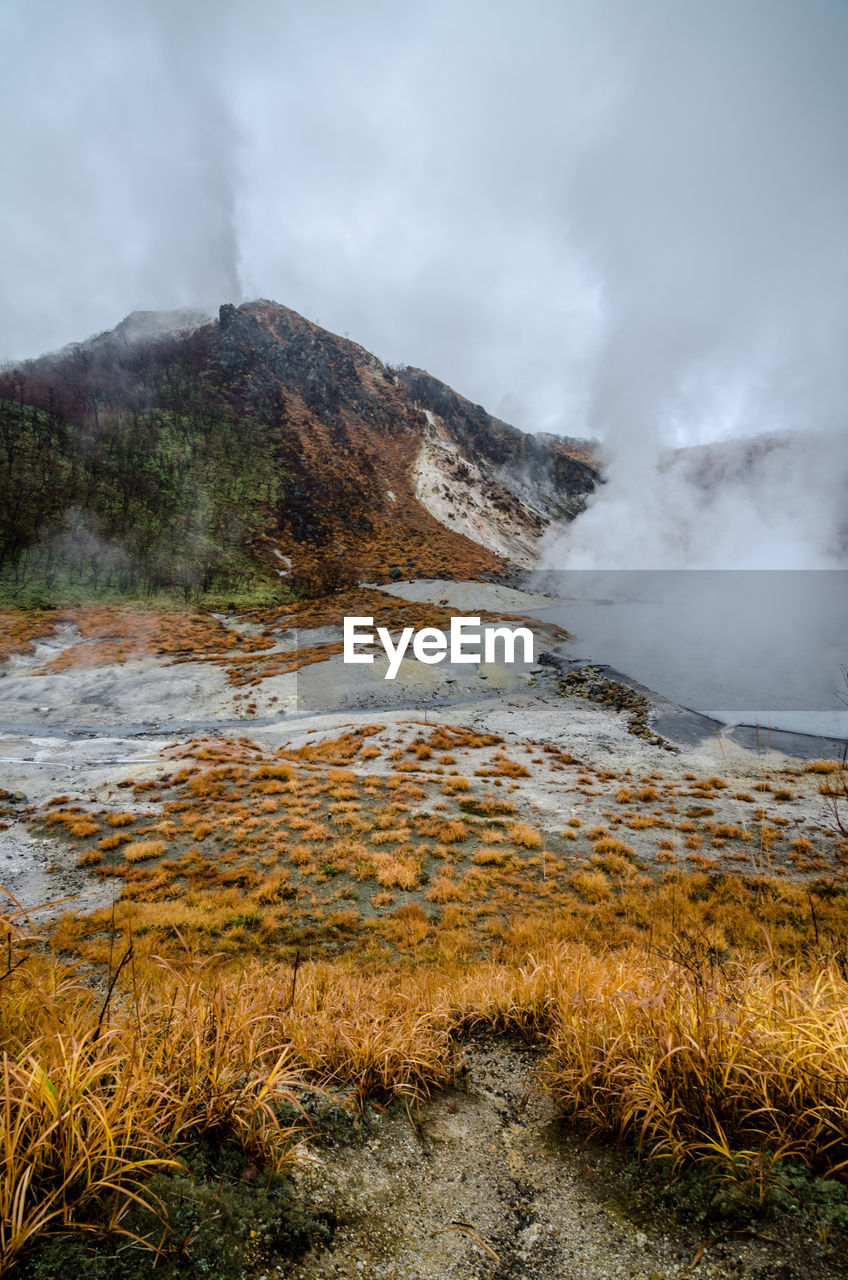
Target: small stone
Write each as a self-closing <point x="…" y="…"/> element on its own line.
<point x="529" y="1236"/>
<point x="641" y="1240"/>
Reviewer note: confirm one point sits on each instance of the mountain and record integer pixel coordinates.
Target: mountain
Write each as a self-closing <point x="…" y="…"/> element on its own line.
<point x="180" y="452"/>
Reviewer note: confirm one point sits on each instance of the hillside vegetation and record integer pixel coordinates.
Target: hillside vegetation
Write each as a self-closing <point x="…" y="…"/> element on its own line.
<point x="144" y="483"/>
<point x="192" y="462"/>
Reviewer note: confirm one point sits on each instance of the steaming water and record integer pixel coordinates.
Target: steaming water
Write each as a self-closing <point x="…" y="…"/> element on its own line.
<point x="745" y="647"/>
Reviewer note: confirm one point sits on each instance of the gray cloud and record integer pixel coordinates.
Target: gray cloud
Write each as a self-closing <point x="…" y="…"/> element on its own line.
<point x="120" y="168"/>
<point x="597" y="217"/>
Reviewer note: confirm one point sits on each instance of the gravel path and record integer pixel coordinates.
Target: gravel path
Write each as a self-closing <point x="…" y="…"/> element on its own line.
<point x="488" y="1184"/>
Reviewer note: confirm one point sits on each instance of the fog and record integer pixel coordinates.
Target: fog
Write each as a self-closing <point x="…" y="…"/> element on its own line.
<point x="714" y="509"/>
<point x="626" y="221"/>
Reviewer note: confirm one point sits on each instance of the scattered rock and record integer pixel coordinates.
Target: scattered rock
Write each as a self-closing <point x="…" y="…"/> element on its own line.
<point x="593" y="684"/>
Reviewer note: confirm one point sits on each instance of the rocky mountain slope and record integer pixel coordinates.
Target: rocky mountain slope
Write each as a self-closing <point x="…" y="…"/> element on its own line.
<point x="177" y="451"/>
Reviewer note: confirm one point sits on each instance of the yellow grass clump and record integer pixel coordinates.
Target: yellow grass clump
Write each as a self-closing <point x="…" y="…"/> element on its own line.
<point x="696" y="1061"/>
<point x="525" y="836"/>
<point x="485" y="857"/>
<point x="111" y="842"/>
<point x="453" y="786"/>
<point x="84" y="827"/>
<point x="121" y="819"/>
<point x="609" y="845"/>
<point x="91" y="1109"/>
<point x="142" y="850"/>
<point x="396" y="872"/>
<point x="591" y="885"/>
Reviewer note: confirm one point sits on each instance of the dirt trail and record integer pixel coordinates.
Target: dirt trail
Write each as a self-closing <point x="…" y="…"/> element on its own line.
<point x="489" y="1185"/>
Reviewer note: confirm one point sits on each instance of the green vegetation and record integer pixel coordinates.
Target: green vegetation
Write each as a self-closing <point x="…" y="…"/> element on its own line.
<point x="220" y="1220"/>
<point x="131" y="477"/>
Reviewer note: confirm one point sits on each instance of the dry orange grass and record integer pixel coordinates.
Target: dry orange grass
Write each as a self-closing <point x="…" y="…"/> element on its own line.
<point x="94" y="1102"/>
<point x="445" y="830"/>
<point x="83" y="827"/>
<point x="616" y="864"/>
<point x="502" y="766"/>
<point x="90" y="858"/>
<point x="644" y="822"/>
<point x="455" y="786"/>
<point x="732" y="1065"/>
<point x="526" y="837"/>
<point x="728" y="1062"/>
<point x="498" y="857"/>
<point x="609" y="845"/>
<point x="638" y="1025"/>
<point x="19" y="628"/>
<point x="74" y="820"/>
<point x="395" y="871"/>
<point x="142" y="850"/>
<point x="449" y="737"/>
<point x="445" y="889"/>
<point x="593" y="886"/>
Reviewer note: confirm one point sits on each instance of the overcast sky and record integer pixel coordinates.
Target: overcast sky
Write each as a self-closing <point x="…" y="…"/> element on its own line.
<point x="591" y="216"/>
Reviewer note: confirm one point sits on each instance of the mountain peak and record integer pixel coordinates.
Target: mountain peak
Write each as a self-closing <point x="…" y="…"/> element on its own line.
<point x="147" y="326"/>
<point x="262" y="439"/>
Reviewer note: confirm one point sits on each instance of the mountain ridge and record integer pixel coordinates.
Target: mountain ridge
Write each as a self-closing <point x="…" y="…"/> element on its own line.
<point x="301" y="448"/>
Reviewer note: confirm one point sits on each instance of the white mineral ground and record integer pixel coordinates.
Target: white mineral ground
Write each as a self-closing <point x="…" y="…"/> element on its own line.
<point x="80" y="731"/>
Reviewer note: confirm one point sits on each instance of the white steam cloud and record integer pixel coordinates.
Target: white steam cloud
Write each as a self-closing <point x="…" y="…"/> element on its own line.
<point x="715" y="211"/>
